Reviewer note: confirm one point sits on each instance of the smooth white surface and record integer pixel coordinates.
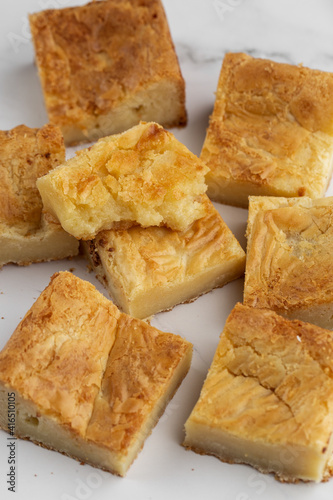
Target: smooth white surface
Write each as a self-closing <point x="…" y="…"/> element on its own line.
<point x="203" y="30"/>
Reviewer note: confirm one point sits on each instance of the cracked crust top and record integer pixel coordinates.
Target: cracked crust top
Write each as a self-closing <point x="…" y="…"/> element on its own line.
<point x="25" y="155"/>
<point x="141" y="259"/>
<point x="125" y="402"/>
<point x="271" y="380"/>
<point x="289" y="260"/>
<point x="46" y="359"/>
<point x="87" y="366"/>
<point x="92" y="57"/>
<point x="142" y="176"/>
<point x="272" y="127"/>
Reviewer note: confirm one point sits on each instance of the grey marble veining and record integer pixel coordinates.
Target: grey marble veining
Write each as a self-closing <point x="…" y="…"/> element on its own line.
<point x="292" y="31"/>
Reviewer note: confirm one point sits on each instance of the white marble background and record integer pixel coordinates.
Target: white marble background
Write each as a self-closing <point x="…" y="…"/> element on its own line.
<point x="203" y="31"/>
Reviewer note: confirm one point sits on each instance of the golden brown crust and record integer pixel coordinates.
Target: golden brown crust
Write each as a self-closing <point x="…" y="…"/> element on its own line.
<point x="25" y="237"/>
<point x="289" y="264"/>
<point x="92" y="58"/>
<point x="157" y="260"/>
<point x="271" y="130"/>
<point x="69" y="317"/>
<point x="266" y="375"/>
<point x="121" y="409"/>
<point x="98" y="373"/>
<point x="26" y="154"/>
<point x="143" y="175"/>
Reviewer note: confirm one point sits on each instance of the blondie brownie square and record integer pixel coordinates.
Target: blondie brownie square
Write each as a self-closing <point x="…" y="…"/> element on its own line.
<point x="25" y="237"/>
<point x="271" y="131"/>
<point x="141" y="176"/>
<point x="88" y="381"/>
<point x="267" y="400"/>
<point x="105" y="66"/>
<point x="148" y="270"/>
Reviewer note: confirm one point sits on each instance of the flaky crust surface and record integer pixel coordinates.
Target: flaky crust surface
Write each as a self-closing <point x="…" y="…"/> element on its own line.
<point x="25" y="237"/>
<point x="26" y="154"/>
<point x="140" y="260"/>
<point x="271" y="130"/>
<point x="124" y="402"/>
<point x="143" y="175"/>
<point x="289" y="260"/>
<point x="87" y="366"/>
<point x="92" y="58"/>
<point x="271" y="381"/>
<point x="57" y="355"/>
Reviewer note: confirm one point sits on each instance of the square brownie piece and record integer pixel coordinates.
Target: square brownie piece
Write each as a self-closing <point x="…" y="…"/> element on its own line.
<point x="271" y="131"/>
<point x="141" y="176"/>
<point x="149" y="270"/>
<point x="25" y="236"/>
<point x="267" y="400"/>
<point x="105" y="66"/>
<point x="88" y="381"/>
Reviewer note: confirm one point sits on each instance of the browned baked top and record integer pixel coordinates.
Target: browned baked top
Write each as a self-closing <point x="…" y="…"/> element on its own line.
<point x="91" y="56"/>
<point x="261" y="87"/>
<point x="289" y="259"/>
<point x="26" y="154"/>
<point x="139" y="369"/>
<point x="143" y="175"/>
<point x="86" y="365"/>
<point x="58" y="353"/>
<point x="272" y="124"/>
<point x="271" y="381"/>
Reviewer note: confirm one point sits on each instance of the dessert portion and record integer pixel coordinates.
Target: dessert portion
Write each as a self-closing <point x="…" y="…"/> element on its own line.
<point x="25" y="236"/>
<point x="89" y="381"/>
<point x="289" y="264"/>
<point x="142" y="176"/>
<point x="148" y="270"/>
<point x="267" y="400"/>
<point x="270" y="133"/>
<point x="106" y="66"/>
